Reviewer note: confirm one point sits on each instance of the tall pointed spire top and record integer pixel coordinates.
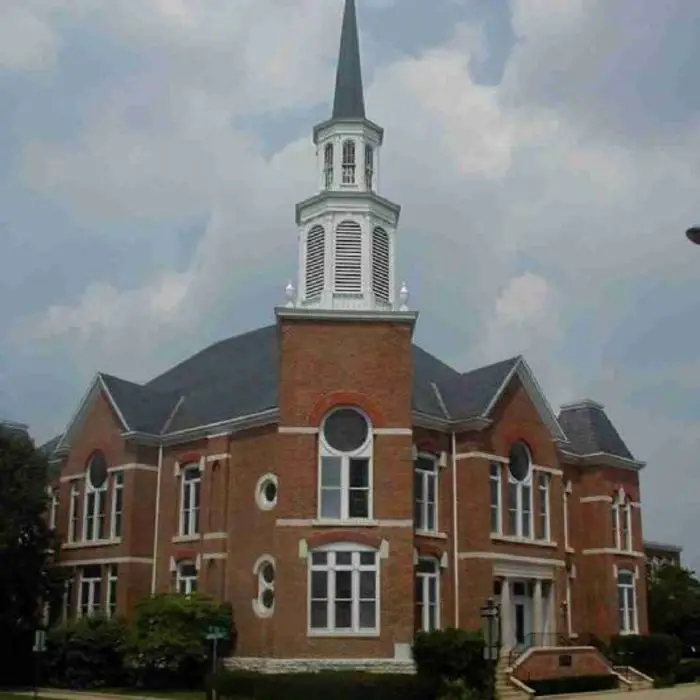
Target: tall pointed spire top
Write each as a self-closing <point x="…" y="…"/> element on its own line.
<point x="349" y="102"/>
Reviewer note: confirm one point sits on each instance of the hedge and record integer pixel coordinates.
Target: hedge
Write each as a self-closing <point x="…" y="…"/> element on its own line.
<point x="573" y="684"/>
<point x="338" y="685"/>
<point x="656" y="655"/>
<point x="688" y="671"/>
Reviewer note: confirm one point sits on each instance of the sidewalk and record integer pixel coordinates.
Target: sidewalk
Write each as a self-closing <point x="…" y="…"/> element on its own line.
<point x="59" y="694"/>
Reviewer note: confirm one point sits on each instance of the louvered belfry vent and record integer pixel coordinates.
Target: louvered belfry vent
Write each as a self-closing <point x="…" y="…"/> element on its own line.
<point x="315" y="262"/>
<point x="380" y="265"/>
<point x="348" y="258"/>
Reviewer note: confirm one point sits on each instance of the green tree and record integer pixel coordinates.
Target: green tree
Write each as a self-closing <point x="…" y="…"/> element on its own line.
<point x="26" y="543"/>
<point x="674" y="602"/>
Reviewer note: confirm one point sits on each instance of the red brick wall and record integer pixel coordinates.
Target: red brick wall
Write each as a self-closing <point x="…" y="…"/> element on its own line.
<point x="542" y="664"/>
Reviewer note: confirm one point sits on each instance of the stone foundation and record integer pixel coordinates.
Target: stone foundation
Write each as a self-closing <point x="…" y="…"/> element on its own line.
<point x="268" y="665"/>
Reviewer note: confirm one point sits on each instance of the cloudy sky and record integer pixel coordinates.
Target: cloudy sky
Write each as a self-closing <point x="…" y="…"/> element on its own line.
<point x="546" y="153"/>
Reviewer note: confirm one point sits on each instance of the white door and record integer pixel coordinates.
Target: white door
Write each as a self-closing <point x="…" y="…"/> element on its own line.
<point x="522" y="614"/>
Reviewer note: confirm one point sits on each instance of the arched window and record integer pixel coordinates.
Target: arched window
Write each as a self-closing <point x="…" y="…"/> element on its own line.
<point x="369" y="166"/>
<point x="345" y="465"/>
<point x="95" y="510"/>
<point x="380" y="265"/>
<point x="328" y="165"/>
<point x="343" y="589"/>
<point x="190" y="489"/>
<point x="544" y="529"/>
<point x="53" y="507"/>
<point x="520" y="491"/>
<point x="627" y="602"/>
<point x="349" y="165"/>
<point x="425" y="483"/>
<point x="186" y="577"/>
<point x="427" y="595"/>
<point x="622" y="521"/>
<point x="348" y="258"/>
<point x="264" y="571"/>
<point x="315" y="262"/>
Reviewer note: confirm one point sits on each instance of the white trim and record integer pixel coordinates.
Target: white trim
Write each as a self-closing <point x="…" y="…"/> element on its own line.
<point x="156" y="521"/>
<point x="303" y="313"/>
<point x="596" y="499"/>
<point x="481" y="455"/>
<point x="107" y="560"/>
<point x="523" y="540"/>
<point x="635" y="504"/>
<point x="207" y="556"/>
<point x="393" y="431"/>
<point x="313" y="522"/>
<point x="186" y="538"/>
<point x="425" y="477"/>
<point x="71" y="477"/>
<point x="88" y="544"/>
<point x="220" y="457"/>
<point x="431" y="535"/>
<point x="214" y="436"/>
<point x="296" y="430"/>
<point x="116" y="488"/>
<point x="133" y="467"/>
<point x="548" y="470"/>
<point x="536" y="650"/>
<point x="611" y="550"/>
<point x="259" y="493"/>
<point x="497" y="556"/>
<point x="425" y="577"/>
<point x="215" y="536"/>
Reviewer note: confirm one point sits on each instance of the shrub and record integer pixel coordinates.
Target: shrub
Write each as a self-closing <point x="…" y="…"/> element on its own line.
<point x="688" y="671"/>
<point x="86" y="653"/>
<point x="167" y="642"/>
<point x="573" y="684"/>
<point x="329" y="684"/>
<point x="657" y="655"/>
<point x="453" y="654"/>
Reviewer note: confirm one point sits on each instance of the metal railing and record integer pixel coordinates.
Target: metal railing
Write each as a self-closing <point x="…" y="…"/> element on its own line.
<point x="537" y="640"/>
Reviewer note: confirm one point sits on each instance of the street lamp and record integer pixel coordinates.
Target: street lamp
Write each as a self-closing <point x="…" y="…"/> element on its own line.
<point x="693" y="234"/>
<point x="490" y="620"/>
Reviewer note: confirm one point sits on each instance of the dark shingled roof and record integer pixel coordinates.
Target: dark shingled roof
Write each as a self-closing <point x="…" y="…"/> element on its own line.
<point x="349" y="101"/>
<point x="590" y="431"/>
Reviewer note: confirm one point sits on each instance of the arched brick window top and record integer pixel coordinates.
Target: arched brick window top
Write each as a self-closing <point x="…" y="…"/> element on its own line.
<point x="351" y="399"/>
<point x="329" y="538"/>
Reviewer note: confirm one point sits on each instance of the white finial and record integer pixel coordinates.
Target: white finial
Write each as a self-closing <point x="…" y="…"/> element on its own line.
<point x="403" y="297"/>
<point x="289" y="291"/>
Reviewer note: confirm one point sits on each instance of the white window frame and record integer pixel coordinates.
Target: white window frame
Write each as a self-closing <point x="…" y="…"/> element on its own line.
<point x="369" y="166"/>
<point x="422" y="504"/>
<point x="544" y="480"/>
<point x="94" y="587"/>
<point x="112" y="583"/>
<point x="189" y="525"/>
<point x="263" y="586"/>
<point x="53" y="507"/>
<point x="356" y="568"/>
<point x="328" y="165"/>
<point x="423" y="579"/>
<point x="626" y="530"/>
<point x="95" y="521"/>
<point x="74" y="512"/>
<point x="186" y="584"/>
<point x="117" y="479"/>
<point x="496" y="509"/>
<point x="615" y="511"/>
<point x="363" y="452"/>
<point x="522" y="514"/>
<point x="628" y="616"/>
<point x="349" y="162"/>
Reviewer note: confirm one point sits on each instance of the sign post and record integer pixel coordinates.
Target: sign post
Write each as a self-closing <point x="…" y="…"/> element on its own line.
<point x="214" y="634"/>
<point x="38" y="648"/>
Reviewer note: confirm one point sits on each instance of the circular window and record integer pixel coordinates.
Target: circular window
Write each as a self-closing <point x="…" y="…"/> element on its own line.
<point x="97" y="470"/>
<point x="264" y="602"/>
<point x="267" y="572"/>
<point x="266" y="492"/>
<point x="346" y="430"/>
<point x="267" y="598"/>
<point x="519" y="461"/>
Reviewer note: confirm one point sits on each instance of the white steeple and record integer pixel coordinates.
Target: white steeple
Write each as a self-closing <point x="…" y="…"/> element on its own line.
<point x="347" y="230"/>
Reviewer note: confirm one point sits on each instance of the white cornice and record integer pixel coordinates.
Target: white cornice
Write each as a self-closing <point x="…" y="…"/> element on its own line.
<point x="306" y="314"/>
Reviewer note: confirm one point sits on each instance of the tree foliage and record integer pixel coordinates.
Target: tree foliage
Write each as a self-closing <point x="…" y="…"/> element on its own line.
<point x="674" y="603"/>
<point x="26" y="580"/>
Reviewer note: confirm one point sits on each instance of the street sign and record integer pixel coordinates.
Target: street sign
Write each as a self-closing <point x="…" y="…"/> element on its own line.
<point x="39" y="640"/>
<point x="217" y="633"/>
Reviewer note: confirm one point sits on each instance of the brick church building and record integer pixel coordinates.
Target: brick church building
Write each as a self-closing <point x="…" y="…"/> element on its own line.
<point x="338" y="484"/>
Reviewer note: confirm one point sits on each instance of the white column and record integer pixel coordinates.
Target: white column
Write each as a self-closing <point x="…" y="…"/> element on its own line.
<point x="538" y="626"/>
<point x="551" y="611"/>
<point x="506" y="614"/>
<point x="569" y="630"/>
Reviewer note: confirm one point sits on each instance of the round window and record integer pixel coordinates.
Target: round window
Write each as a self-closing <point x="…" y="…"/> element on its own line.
<point x="346" y="430"/>
<point x="97" y="470"/>
<point x="268" y="598"/>
<point x="267" y="572"/>
<point x="266" y="492"/>
<point x="519" y="461"/>
<point x="270" y="492"/>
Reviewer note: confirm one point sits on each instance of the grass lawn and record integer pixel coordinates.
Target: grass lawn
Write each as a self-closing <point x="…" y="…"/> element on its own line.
<point x="175" y="695"/>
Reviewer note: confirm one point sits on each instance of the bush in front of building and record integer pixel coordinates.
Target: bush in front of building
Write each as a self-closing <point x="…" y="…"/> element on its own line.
<point x="453" y="654"/>
<point x="338" y="685"/>
<point x="167" y="644"/>
<point x="688" y="671"/>
<point x="573" y="684"/>
<point x="86" y="653"/>
<point x="656" y="655"/>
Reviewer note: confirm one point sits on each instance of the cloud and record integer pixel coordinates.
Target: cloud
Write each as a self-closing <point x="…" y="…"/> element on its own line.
<point x="27" y="42"/>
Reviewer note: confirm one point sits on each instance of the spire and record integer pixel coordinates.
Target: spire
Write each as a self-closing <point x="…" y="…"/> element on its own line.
<point x="349" y="102"/>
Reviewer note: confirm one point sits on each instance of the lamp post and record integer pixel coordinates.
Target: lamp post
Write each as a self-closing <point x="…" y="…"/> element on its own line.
<point x="490" y="620"/>
<point x="693" y="234"/>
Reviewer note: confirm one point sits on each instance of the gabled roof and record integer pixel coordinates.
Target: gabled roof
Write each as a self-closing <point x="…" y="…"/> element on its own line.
<point x="590" y="431"/>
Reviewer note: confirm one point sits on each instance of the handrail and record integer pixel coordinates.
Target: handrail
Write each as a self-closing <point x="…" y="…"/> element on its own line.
<point x="535" y="640"/>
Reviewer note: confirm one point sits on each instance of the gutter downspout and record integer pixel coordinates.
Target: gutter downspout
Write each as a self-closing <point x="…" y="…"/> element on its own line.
<point x="455" y="547"/>
<point x="157" y="521"/>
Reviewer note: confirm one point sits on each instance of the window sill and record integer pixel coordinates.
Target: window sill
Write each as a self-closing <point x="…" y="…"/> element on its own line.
<point x="513" y="539"/>
<point x="431" y="534"/>
<point x="91" y="543"/>
<point x="186" y="538"/>
<point x="359" y="522"/>
<point x="332" y="634"/>
<point x="570" y="550"/>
